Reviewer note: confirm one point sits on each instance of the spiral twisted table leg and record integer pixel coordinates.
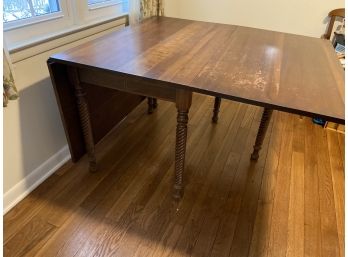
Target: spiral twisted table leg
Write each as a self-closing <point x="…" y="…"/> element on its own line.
<point x="266" y="117"/>
<point x="84" y="118"/>
<point x="183" y="103"/>
<point x="217" y="105"/>
<point x="180" y="149"/>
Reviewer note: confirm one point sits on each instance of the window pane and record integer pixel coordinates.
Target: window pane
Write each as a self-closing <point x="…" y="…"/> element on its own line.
<point x="23" y="9"/>
<point x="45" y="6"/>
<point x="15" y="10"/>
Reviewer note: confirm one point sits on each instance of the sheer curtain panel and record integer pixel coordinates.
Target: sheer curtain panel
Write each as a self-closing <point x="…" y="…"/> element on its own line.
<point x="9" y="88"/>
<point x="142" y="9"/>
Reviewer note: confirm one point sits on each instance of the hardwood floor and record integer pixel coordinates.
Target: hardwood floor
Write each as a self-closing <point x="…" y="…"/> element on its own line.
<point x="289" y="203"/>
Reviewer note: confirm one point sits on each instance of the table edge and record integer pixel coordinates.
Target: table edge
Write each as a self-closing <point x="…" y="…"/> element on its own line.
<point x="205" y="92"/>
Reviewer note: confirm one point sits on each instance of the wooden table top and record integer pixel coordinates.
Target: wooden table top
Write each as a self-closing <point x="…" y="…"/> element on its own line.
<point x="283" y="71"/>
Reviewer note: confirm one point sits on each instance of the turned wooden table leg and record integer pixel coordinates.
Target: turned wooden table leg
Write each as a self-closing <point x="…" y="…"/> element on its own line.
<point x="217" y="104"/>
<point x="183" y="103"/>
<point x="266" y="117"/>
<point x="152" y="104"/>
<point x="82" y="105"/>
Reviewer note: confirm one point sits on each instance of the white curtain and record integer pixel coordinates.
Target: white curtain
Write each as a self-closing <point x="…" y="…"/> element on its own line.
<point x="9" y="88"/>
<point x="141" y="9"/>
<point x="134" y="11"/>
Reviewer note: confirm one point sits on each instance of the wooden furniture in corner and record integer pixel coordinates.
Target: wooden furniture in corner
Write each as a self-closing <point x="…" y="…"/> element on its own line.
<point x="333" y="16"/>
<point x="169" y="59"/>
<point x="335" y="127"/>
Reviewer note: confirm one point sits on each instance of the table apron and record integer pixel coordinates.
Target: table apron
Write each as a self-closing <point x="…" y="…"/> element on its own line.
<point x="127" y="84"/>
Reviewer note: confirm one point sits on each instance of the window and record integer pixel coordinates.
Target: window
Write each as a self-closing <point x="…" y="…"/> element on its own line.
<point x="19" y="13"/>
<point x="27" y="9"/>
<point x="27" y="21"/>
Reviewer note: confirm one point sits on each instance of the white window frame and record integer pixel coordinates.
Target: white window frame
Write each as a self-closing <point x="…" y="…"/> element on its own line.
<point x="97" y="12"/>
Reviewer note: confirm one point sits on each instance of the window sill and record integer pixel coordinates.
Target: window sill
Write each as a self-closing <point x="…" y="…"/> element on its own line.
<point x="24" y="50"/>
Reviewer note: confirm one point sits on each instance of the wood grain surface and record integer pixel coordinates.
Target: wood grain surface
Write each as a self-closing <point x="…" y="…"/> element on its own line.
<point x="289" y="203"/>
<point x="277" y="70"/>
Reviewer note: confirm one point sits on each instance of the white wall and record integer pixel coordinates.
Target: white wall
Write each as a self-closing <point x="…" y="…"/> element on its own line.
<point x="294" y="16"/>
<point x="34" y="140"/>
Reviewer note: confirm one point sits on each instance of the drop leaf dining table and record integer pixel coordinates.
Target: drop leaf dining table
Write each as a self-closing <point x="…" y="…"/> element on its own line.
<point x="170" y="59"/>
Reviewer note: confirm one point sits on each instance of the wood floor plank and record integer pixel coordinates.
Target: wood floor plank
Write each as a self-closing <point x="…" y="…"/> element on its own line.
<point x="131" y="145"/>
<point x="102" y="200"/>
<point x="125" y="218"/>
<point x="289" y="203"/>
<point x="214" y="201"/>
<point x="132" y="209"/>
<point x="329" y="233"/>
<point x="296" y="207"/>
<point x="201" y="187"/>
<point x="295" y="245"/>
<point x="149" y="220"/>
<point x="336" y="165"/>
<point x="33" y="233"/>
<point x="312" y="231"/>
<point x="247" y="215"/>
<point x="90" y="206"/>
<point x="46" y="193"/>
<point x="261" y="232"/>
<point x="278" y="237"/>
<point x="233" y="200"/>
<point x="190" y="159"/>
<point x="156" y="227"/>
<point x="37" y="201"/>
<point x="341" y="143"/>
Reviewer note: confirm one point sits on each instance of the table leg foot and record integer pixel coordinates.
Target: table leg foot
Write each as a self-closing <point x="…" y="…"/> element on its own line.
<point x="149" y="105"/>
<point x="152" y="104"/>
<point x="93" y="166"/>
<point x="266" y="117"/>
<point x="216" y="111"/>
<point x="85" y="120"/>
<point x="255" y="155"/>
<point x="177" y="192"/>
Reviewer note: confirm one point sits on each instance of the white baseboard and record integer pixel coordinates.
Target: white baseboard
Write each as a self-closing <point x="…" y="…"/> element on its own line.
<point x="35" y="178"/>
